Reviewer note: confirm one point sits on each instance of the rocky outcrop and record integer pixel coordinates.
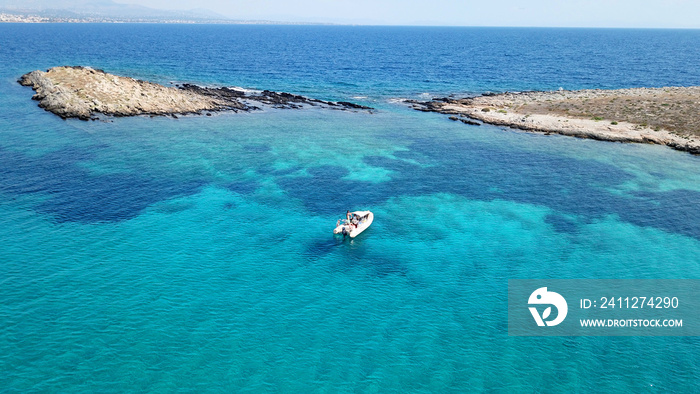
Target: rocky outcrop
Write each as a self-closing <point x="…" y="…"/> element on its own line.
<point x="465" y="120"/>
<point x="83" y="92"/>
<point x="666" y="116"/>
<point x="270" y="98"/>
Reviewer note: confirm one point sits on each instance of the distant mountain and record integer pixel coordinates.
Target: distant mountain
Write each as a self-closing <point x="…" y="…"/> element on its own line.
<point x="103" y="9"/>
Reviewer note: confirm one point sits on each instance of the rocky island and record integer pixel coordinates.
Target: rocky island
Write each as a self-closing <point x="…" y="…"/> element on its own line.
<point x="83" y="92"/>
<point x="667" y="116"/>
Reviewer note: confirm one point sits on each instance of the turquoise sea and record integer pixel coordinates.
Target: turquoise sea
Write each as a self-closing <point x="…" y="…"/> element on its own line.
<point x="196" y="254"/>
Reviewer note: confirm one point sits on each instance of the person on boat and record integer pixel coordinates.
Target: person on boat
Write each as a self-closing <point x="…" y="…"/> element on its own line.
<point x="347" y="215"/>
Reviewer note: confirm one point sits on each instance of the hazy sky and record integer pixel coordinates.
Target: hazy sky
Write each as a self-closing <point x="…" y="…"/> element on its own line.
<point x="578" y="13"/>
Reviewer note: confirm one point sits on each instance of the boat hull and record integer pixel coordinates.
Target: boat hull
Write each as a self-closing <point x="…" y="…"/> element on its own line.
<point x="352" y="231"/>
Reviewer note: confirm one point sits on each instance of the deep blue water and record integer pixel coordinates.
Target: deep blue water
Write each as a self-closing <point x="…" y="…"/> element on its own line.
<point x="195" y="254"/>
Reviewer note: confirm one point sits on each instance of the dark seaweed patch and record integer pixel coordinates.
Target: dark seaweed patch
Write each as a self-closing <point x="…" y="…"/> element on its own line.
<point x="244" y="188"/>
<point x="325" y="192"/>
<point x="561" y="224"/>
<point x="75" y="195"/>
<point x="257" y="148"/>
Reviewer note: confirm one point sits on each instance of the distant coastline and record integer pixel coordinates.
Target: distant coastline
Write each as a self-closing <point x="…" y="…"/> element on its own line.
<point x="665" y="116"/>
<point x="40" y="17"/>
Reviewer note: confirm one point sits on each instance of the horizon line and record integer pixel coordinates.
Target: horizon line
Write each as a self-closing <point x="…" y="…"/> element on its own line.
<point x="262" y="22"/>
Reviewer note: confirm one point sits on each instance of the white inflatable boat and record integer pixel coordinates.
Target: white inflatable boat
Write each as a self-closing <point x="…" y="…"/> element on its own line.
<point x="355" y="223"/>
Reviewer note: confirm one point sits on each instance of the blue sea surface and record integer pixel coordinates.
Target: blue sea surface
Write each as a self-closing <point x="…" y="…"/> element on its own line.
<point x="196" y="254"/>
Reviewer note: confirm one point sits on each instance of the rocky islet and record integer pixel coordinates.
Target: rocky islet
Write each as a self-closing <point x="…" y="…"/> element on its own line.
<point x="83" y="92"/>
<point x="666" y="116"/>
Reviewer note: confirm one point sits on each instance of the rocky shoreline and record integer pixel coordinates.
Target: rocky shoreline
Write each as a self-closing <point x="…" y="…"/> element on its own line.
<point x="83" y="92"/>
<point x="665" y="116"/>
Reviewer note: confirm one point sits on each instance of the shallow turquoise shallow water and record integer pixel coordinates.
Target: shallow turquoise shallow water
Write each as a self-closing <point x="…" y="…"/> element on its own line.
<point x="154" y="254"/>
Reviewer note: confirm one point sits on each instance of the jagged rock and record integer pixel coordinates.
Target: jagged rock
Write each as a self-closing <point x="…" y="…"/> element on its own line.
<point x="470" y="122"/>
<point x="351" y="105"/>
<point x="465" y="121"/>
